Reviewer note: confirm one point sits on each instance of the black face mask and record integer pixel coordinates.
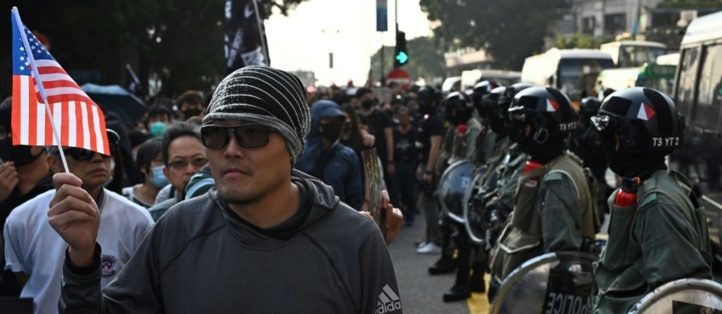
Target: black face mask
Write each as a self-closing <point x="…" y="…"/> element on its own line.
<point x="20" y="155"/>
<point x="496" y="123"/>
<point x="332" y="131"/>
<point x="425" y="108"/>
<point x="461" y="117"/>
<point x="367" y="104"/>
<point x="191" y="113"/>
<point x="539" y="145"/>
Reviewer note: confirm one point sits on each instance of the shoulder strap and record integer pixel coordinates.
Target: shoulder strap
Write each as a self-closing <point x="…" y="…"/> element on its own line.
<point x="592" y="183"/>
<point x="588" y="228"/>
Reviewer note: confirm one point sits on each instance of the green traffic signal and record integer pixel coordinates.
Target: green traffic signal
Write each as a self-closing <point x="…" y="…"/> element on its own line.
<point x="402" y="57"/>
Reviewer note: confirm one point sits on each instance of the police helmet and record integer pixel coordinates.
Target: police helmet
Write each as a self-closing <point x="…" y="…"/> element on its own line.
<point x="511" y="91"/>
<point x="457" y="107"/>
<point x="588" y="108"/>
<point x="491" y="100"/>
<point x="547" y="110"/>
<point x="644" y="120"/>
<point x="480" y="89"/>
<point x="427" y="95"/>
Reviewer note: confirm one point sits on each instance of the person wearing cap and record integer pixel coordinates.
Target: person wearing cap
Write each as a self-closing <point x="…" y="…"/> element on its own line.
<point x="266" y="239"/>
<point x="24" y="174"/>
<point x="34" y="250"/>
<point x="326" y="158"/>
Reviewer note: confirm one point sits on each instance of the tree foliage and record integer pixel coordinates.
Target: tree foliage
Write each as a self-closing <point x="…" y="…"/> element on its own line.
<point x="181" y="40"/>
<point x="509" y="30"/>
<point x="425" y="60"/>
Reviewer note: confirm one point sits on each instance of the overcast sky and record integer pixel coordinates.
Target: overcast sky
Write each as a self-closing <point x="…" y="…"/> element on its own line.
<point x="303" y="39"/>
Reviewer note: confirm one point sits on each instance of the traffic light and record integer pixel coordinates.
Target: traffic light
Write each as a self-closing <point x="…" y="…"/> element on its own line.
<point x="401" y="55"/>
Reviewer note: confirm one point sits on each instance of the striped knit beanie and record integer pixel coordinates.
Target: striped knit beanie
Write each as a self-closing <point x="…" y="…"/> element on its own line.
<point x="267" y="96"/>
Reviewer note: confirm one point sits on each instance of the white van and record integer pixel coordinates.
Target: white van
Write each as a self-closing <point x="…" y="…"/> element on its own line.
<point x="573" y="71"/>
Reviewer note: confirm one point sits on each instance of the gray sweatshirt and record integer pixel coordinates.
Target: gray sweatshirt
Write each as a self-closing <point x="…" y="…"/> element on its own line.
<point x="202" y="258"/>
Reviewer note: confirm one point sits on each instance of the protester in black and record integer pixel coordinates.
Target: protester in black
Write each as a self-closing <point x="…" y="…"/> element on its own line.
<point x="405" y="136"/>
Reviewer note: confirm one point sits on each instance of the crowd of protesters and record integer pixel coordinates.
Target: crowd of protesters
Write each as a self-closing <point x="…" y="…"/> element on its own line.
<point x="162" y="167"/>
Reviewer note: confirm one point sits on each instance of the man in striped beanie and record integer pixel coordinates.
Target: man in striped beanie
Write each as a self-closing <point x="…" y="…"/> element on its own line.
<point x="254" y="243"/>
<point x="266" y="96"/>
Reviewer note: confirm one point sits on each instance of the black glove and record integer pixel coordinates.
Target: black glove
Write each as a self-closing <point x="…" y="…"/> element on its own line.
<point x="497" y="214"/>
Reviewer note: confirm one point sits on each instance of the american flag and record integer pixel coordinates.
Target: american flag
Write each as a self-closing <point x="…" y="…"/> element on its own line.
<point x="79" y="121"/>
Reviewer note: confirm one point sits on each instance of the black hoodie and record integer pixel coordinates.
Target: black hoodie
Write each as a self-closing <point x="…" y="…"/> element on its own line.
<point x="200" y="258"/>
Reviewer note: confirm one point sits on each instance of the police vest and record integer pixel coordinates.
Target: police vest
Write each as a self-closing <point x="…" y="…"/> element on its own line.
<point x="522" y="238"/>
<point x="460" y="148"/>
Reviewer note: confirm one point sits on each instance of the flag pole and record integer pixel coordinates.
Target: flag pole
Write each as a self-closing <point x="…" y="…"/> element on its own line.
<point x="262" y="32"/>
<point x="39" y="84"/>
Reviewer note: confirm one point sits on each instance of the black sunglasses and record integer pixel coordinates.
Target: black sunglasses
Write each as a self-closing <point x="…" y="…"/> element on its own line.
<point x="247" y="135"/>
<point x="82" y="154"/>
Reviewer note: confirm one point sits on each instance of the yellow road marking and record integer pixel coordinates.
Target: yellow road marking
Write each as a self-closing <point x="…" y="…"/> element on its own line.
<point x="479" y="302"/>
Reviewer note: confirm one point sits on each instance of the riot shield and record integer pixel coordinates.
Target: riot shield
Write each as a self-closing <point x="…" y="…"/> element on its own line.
<point x="452" y="186"/>
<point x="557" y="282"/>
<point x="474" y="212"/>
<point x="682" y="296"/>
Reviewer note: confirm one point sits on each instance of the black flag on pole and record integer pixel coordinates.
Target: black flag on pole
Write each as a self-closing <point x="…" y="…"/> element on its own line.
<point x="245" y="39"/>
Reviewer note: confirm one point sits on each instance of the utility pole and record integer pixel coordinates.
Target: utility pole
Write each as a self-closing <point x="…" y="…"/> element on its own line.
<point x="639" y="20"/>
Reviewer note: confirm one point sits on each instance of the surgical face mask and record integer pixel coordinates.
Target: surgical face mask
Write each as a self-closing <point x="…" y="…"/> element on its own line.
<point x="157" y="128"/>
<point x="158" y="179"/>
<point x="20" y="155"/>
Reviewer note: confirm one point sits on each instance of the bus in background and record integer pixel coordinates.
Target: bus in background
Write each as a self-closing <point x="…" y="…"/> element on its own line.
<point x="669" y="59"/>
<point x="698" y="96"/>
<point x="698" y="88"/>
<point x="573" y="71"/>
<point x="652" y="75"/>
<point x="469" y="78"/>
<point x="633" y="53"/>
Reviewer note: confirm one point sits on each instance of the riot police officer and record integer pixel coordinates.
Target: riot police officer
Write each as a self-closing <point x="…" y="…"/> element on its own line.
<point x="588" y="147"/>
<point x="463" y="132"/>
<point x="460" y="112"/>
<point x="658" y="231"/>
<point x="497" y="105"/>
<point x="554" y="208"/>
<point x="482" y="149"/>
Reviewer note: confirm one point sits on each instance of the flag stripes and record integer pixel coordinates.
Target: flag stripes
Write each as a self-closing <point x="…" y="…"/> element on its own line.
<point x="34" y="124"/>
<point x="79" y="122"/>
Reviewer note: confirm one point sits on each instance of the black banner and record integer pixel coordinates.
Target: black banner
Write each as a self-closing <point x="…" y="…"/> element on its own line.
<point x="245" y="40"/>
